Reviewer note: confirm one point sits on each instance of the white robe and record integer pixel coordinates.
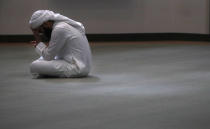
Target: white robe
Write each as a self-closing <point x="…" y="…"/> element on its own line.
<point x="68" y="53"/>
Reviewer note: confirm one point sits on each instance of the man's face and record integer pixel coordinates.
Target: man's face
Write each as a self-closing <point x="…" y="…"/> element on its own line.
<point x="47" y="31"/>
<point x="44" y="31"/>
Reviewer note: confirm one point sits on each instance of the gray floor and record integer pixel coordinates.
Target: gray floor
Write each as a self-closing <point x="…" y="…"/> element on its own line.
<point x="150" y="85"/>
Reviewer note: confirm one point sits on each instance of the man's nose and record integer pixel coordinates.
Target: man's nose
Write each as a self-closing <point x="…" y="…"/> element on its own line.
<point x="41" y="29"/>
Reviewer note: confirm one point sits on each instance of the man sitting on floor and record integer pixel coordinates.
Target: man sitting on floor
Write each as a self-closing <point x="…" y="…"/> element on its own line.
<point x="68" y="53"/>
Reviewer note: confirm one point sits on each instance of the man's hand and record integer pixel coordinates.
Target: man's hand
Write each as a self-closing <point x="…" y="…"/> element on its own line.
<point x="34" y="43"/>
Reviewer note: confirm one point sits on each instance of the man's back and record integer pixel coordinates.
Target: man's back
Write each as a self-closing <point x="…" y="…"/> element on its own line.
<point x="74" y="46"/>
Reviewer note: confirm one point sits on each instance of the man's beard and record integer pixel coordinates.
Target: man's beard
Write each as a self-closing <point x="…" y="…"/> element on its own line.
<point x="46" y="35"/>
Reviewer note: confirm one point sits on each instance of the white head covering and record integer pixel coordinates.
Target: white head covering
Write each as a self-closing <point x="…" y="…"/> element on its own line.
<point x="41" y="16"/>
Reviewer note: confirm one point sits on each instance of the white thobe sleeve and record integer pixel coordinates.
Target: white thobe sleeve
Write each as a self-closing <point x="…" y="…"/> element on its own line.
<point x="40" y="47"/>
<point x="57" y="41"/>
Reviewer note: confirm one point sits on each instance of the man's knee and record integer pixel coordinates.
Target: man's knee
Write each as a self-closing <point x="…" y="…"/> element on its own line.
<point x="34" y="66"/>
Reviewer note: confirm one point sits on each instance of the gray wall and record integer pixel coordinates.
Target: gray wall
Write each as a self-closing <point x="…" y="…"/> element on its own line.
<point x="112" y="16"/>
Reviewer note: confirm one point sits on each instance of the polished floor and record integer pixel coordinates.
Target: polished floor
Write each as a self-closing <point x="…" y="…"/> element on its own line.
<point x="136" y="85"/>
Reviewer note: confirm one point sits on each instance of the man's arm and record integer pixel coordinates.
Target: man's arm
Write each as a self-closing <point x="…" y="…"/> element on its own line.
<point x="56" y="43"/>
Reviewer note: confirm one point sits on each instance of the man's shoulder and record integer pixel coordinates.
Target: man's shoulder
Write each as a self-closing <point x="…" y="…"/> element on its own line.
<point x="64" y="28"/>
<point x="60" y="25"/>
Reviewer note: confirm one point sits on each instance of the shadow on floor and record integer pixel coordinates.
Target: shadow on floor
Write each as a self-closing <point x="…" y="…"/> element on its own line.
<point x="90" y="78"/>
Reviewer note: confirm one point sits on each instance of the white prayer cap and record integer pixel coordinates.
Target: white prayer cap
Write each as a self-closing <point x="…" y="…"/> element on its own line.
<point x="39" y="17"/>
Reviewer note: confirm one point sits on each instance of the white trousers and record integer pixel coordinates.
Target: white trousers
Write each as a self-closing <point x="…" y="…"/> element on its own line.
<point x="56" y="68"/>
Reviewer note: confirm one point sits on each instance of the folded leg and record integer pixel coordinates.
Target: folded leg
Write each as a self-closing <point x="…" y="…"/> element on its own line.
<point x="55" y="68"/>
